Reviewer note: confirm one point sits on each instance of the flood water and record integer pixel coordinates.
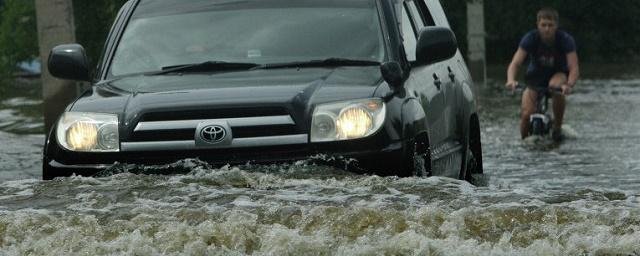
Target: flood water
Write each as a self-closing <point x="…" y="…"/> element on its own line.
<point x="581" y="197"/>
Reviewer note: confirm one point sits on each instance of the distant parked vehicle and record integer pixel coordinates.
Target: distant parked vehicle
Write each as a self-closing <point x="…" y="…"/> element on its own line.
<point x="29" y="68"/>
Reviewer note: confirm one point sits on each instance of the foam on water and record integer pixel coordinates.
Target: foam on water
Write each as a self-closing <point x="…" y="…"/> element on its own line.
<point x="329" y="231"/>
<point x="535" y="140"/>
<point x="20" y="101"/>
<point x="569" y="132"/>
<point x="578" y="197"/>
<point x="247" y="210"/>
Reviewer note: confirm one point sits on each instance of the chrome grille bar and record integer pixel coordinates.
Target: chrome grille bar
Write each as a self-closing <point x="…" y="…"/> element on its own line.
<point x="233" y="122"/>
<point x="236" y="143"/>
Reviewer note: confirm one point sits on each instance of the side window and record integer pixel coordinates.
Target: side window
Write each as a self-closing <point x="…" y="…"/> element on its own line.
<point x="108" y="43"/>
<point x="425" y="13"/>
<point x="415" y="15"/>
<point x="408" y="35"/>
<point x="435" y="9"/>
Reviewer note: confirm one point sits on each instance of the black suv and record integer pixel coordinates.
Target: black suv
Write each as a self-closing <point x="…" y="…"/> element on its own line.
<point x="231" y="81"/>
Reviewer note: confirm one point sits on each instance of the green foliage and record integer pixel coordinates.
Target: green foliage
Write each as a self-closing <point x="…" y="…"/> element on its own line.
<point x="605" y="31"/>
<point x="19" y="34"/>
<point x="18" y="37"/>
<point x="93" y="19"/>
<point x="457" y="15"/>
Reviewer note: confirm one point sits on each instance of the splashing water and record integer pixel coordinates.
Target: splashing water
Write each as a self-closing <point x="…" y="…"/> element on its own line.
<point x="578" y="197"/>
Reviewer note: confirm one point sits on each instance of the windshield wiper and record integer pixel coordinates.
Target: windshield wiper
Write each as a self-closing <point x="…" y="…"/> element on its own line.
<point x="330" y="62"/>
<point x="206" y="66"/>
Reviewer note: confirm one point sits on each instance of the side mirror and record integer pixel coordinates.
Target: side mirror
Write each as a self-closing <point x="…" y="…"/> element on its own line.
<point x="435" y="44"/>
<point x="69" y="61"/>
<point x="392" y="73"/>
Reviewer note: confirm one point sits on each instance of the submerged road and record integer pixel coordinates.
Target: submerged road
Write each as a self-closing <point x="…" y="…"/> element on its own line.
<point x="578" y="197"/>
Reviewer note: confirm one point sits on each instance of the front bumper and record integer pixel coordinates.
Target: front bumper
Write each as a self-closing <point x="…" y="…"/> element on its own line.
<point x="371" y="155"/>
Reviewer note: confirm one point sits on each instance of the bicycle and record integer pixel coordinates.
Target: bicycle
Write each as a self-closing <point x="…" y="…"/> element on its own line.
<point x="541" y="122"/>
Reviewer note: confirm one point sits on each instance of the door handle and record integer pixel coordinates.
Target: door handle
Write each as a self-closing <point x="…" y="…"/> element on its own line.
<point x="451" y="74"/>
<point x="436" y="81"/>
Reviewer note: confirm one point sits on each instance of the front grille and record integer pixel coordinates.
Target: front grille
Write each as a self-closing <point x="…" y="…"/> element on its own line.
<point x="238" y="132"/>
<point x="163" y="135"/>
<point x="212" y="114"/>
<point x="177" y="130"/>
<point x="261" y="131"/>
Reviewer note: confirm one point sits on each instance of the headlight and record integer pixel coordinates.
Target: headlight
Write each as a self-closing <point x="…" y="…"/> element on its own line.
<point x="88" y="132"/>
<point x="347" y="120"/>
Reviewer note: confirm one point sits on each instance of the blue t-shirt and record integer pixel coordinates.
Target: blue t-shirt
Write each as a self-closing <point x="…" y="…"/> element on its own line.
<point x="546" y="59"/>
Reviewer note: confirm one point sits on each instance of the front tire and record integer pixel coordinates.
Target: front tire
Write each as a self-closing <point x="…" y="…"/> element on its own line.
<point x="472" y="161"/>
<point x="417" y="158"/>
<point x="470" y="166"/>
<point x="421" y="159"/>
<point x="536" y="127"/>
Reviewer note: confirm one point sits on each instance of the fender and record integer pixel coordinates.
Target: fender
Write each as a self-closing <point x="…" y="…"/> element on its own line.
<point x="415" y="134"/>
<point x="467" y="106"/>
<point x="414" y="119"/>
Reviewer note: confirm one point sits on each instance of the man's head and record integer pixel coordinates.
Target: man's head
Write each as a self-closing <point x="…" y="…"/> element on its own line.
<point x="548" y="23"/>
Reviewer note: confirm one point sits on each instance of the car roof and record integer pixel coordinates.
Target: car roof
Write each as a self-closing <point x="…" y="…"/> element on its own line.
<point x="166" y="7"/>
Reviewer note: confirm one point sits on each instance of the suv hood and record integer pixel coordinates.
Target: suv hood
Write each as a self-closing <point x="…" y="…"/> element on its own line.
<point x="297" y="90"/>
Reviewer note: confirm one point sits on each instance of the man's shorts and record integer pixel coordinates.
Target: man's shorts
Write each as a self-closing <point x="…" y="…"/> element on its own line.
<point x="540" y="80"/>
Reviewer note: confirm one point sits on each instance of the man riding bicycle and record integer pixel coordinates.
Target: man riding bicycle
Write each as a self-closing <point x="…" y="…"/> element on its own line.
<point x="553" y="63"/>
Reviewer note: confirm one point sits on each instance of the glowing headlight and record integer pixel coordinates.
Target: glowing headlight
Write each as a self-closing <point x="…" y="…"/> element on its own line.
<point x="82" y="136"/>
<point x="354" y="122"/>
<point x="347" y="120"/>
<point x="88" y="132"/>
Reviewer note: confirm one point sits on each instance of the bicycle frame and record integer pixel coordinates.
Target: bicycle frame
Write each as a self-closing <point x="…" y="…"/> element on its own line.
<point x="540" y="122"/>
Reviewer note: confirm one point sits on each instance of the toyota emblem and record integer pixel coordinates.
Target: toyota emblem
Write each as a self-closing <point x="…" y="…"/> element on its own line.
<point x="213" y="134"/>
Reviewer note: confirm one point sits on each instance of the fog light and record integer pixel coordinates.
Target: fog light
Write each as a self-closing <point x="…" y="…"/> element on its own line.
<point x="323" y="127"/>
<point x="108" y="137"/>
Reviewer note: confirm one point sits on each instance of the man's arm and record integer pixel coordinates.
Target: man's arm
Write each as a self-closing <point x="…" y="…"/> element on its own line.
<point x="512" y="71"/>
<point x="574" y="73"/>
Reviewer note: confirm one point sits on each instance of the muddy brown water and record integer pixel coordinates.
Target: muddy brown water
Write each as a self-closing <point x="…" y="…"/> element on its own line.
<point x="580" y="197"/>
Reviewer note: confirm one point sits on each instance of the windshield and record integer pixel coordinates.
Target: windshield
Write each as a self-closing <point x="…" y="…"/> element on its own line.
<point x="164" y="33"/>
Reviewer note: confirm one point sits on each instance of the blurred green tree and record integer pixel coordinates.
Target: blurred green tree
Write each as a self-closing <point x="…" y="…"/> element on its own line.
<point x="605" y="31"/>
<point x="18" y="37"/>
<point x="93" y="20"/>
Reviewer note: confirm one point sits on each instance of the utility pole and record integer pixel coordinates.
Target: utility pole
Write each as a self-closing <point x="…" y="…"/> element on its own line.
<point x="476" y="40"/>
<point x="55" y="26"/>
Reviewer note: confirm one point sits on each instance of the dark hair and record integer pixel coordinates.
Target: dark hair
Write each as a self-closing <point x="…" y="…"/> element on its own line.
<point x="549" y="14"/>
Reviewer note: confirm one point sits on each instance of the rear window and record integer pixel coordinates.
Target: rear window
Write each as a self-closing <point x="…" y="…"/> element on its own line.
<point x="165" y="33"/>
